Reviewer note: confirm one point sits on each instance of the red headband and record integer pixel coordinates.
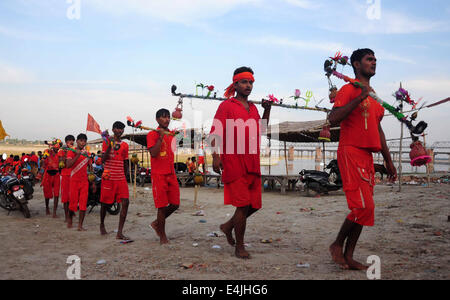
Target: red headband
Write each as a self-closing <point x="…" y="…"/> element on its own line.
<point x="229" y="92"/>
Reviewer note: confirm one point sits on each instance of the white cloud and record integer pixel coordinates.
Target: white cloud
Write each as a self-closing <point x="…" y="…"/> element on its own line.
<point x="13" y="74"/>
<point x="354" y="20"/>
<point x="304" y="4"/>
<point x="436" y="86"/>
<point x="33" y="36"/>
<point x="327" y="47"/>
<point x="179" y="11"/>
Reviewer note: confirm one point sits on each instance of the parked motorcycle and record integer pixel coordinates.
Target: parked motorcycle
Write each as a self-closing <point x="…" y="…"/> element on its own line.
<point x="13" y="196"/>
<point x="26" y="179"/>
<point x="95" y="188"/>
<point x="322" y="182"/>
<point x="144" y="176"/>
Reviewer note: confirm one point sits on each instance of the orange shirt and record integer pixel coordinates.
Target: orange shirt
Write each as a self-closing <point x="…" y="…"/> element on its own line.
<point x="163" y="164"/>
<point x="360" y="128"/>
<point x="52" y="162"/>
<point x="78" y="171"/>
<point x="64" y="153"/>
<point x="115" y="162"/>
<point x="192" y="167"/>
<point x="241" y="156"/>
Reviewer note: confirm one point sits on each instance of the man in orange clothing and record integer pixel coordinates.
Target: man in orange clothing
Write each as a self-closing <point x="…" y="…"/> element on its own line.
<point x="78" y="163"/>
<point x="236" y="132"/>
<point x="51" y="180"/>
<point x="65" y="174"/>
<point x="114" y="184"/>
<point x="166" y="191"/>
<point x="34" y="163"/>
<point x="361" y="134"/>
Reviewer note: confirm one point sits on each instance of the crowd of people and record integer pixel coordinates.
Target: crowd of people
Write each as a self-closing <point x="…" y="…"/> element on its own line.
<point x="15" y="163"/>
<point x="66" y="167"/>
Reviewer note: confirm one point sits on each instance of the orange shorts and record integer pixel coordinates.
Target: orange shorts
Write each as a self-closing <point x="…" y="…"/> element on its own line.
<point x="65" y="188"/>
<point x="114" y="191"/>
<point x="244" y="191"/>
<point x="79" y="191"/>
<point x="51" y="185"/>
<point x="358" y="178"/>
<point x="166" y="190"/>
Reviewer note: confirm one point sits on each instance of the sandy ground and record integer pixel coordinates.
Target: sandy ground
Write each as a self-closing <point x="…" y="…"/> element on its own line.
<point x="411" y="237"/>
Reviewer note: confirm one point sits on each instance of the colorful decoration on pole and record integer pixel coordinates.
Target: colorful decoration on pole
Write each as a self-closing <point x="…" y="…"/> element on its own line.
<point x="416" y="155"/>
<point x="210" y="89"/>
<point x="277" y="104"/>
<point x="296" y="96"/>
<point x="402" y="95"/>
<point x="55" y="144"/>
<point x="325" y="134"/>
<point x="138" y="125"/>
<point x="330" y="69"/>
<point x="177" y="114"/>
<point x="273" y="99"/>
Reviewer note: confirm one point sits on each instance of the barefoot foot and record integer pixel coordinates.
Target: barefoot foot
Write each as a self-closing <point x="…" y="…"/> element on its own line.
<point x="154" y="225"/>
<point x="240" y="252"/>
<point x="354" y="265"/>
<point x="229" y="234"/>
<point x="338" y="256"/>
<point x="120" y="236"/>
<point x="103" y="230"/>
<point x="163" y="241"/>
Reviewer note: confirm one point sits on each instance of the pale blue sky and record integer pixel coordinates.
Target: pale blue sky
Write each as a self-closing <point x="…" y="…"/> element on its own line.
<point x="121" y="57"/>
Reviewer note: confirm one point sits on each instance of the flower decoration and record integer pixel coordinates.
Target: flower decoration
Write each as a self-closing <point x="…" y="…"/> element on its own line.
<point x="210" y="90"/>
<point x="273" y="99"/>
<point x="403" y="95"/>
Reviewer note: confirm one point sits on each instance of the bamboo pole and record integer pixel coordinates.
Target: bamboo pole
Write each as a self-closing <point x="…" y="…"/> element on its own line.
<point x="324" y="160"/>
<point x="322" y="109"/>
<point x="285" y="159"/>
<point x="270" y="155"/>
<point x="135" y="167"/>
<point x="400" y="169"/>
<point x="195" y="195"/>
<point x="428" y="169"/>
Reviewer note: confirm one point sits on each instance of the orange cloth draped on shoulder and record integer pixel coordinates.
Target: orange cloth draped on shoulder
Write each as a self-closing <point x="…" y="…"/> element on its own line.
<point x="229" y="92"/>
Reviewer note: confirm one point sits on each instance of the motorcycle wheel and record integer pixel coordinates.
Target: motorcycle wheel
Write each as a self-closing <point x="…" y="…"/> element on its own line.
<point x="142" y="183"/>
<point x="114" y="209"/>
<point x="312" y="186"/>
<point x="25" y="210"/>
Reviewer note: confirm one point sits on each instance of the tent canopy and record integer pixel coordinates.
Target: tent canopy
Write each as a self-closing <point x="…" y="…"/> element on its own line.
<point x="300" y="132"/>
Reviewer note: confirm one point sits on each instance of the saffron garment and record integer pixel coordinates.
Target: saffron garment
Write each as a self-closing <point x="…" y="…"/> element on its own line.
<point x="359" y="137"/>
<point x="244" y="191"/>
<point x="360" y="128"/>
<point x="79" y="185"/>
<point x="114" y="184"/>
<point x="238" y="137"/>
<point x="166" y="190"/>
<point x="51" y="181"/>
<point x="165" y="187"/>
<point x="358" y="178"/>
<point x="65" y="178"/>
<point x="164" y="163"/>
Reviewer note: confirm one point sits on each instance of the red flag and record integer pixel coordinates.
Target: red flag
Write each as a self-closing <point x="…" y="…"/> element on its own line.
<point x="92" y="125"/>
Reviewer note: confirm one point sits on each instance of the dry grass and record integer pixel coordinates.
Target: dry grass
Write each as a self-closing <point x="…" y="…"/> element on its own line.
<point x="19" y="149"/>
